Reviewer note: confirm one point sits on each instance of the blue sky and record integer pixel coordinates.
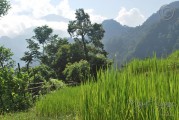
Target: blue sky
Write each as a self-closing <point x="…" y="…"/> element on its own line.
<point x="110" y="8"/>
<point x="25" y="14"/>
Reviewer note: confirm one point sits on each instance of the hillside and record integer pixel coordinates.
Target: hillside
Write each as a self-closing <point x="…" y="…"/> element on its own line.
<point x="156" y="35"/>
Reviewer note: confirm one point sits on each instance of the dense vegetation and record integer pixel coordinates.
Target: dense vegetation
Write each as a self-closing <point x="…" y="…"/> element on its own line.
<point x="143" y="90"/>
<point x="58" y="54"/>
<point x="57" y="62"/>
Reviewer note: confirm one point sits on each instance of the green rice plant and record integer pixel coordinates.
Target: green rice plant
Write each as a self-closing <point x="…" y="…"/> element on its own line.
<point x="60" y="104"/>
<point x="144" y="90"/>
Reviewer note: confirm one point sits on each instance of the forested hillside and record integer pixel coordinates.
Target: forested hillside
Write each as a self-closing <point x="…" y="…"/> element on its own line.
<point x="158" y="34"/>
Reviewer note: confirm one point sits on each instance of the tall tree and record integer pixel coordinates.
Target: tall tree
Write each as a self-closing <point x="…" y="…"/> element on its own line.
<point x="5" y="54"/>
<point x="89" y="36"/>
<point x="85" y="31"/>
<point x="4" y="7"/>
<point x="42" y="34"/>
<point x="33" y="52"/>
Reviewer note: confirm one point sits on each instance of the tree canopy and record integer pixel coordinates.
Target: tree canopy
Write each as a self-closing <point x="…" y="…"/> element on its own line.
<point x="5" y="57"/>
<point x="4" y="7"/>
<point x="83" y="30"/>
<point x="42" y="34"/>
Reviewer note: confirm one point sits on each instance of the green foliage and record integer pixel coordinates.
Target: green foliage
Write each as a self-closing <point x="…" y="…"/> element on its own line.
<point x="4" y="7"/>
<point x="97" y="62"/>
<point x="76" y="53"/>
<point x="51" y="49"/>
<point x="42" y="34"/>
<point x="51" y="85"/>
<point x="39" y="78"/>
<point x="41" y="73"/>
<point x="13" y="91"/>
<point x="82" y="30"/>
<point x="57" y="52"/>
<point x="78" y="71"/>
<point x="32" y="54"/>
<point x="62" y="59"/>
<point x="56" y="84"/>
<point x="96" y="34"/>
<point x="5" y="57"/>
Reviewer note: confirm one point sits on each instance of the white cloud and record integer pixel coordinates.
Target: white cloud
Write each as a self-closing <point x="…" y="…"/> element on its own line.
<point x="64" y="10"/>
<point x="132" y="17"/>
<point x="15" y="25"/>
<point x="25" y="14"/>
<point x="35" y="8"/>
<point x="94" y="17"/>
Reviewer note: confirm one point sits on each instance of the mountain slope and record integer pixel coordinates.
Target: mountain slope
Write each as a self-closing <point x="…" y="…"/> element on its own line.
<point x="161" y="39"/>
<point x="158" y="34"/>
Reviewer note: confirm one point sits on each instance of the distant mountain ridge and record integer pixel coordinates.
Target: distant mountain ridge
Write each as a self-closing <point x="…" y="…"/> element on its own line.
<point x="156" y="35"/>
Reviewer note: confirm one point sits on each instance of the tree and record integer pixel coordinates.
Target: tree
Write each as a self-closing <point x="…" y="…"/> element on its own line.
<point x="4" y="7"/>
<point x="52" y="48"/>
<point x="33" y="52"/>
<point x="5" y="54"/>
<point x="5" y="57"/>
<point x="88" y="33"/>
<point x="42" y="34"/>
<point x="76" y="52"/>
<point x="63" y="57"/>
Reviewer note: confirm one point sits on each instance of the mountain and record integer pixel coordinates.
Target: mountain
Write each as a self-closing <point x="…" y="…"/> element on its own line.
<point x="158" y="34"/>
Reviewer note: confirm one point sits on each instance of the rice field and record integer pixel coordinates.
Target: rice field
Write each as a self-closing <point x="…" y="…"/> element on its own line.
<point x="143" y="90"/>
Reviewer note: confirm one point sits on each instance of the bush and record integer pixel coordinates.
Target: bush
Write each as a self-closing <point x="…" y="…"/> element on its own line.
<point x="52" y="84"/>
<point x="78" y="71"/>
<point x="56" y="84"/>
<point x="14" y="95"/>
<point x="39" y="77"/>
<point x="98" y="62"/>
<point x="41" y="73"/>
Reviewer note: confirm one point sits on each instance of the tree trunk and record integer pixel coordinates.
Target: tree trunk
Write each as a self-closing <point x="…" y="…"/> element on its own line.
<point x="2" y="103"/>
<point x="28" y="67"/>
<point x="2" y="65"/>
<point x="43" y="49"/>
<point x="85" y="49"/>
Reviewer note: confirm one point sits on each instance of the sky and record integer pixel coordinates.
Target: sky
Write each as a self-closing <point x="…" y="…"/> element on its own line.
<point x="26" y="14"/>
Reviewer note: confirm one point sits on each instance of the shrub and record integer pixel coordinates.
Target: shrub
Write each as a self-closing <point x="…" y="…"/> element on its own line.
<point x="13" y="91"/>
<point x="77" y="71"/>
